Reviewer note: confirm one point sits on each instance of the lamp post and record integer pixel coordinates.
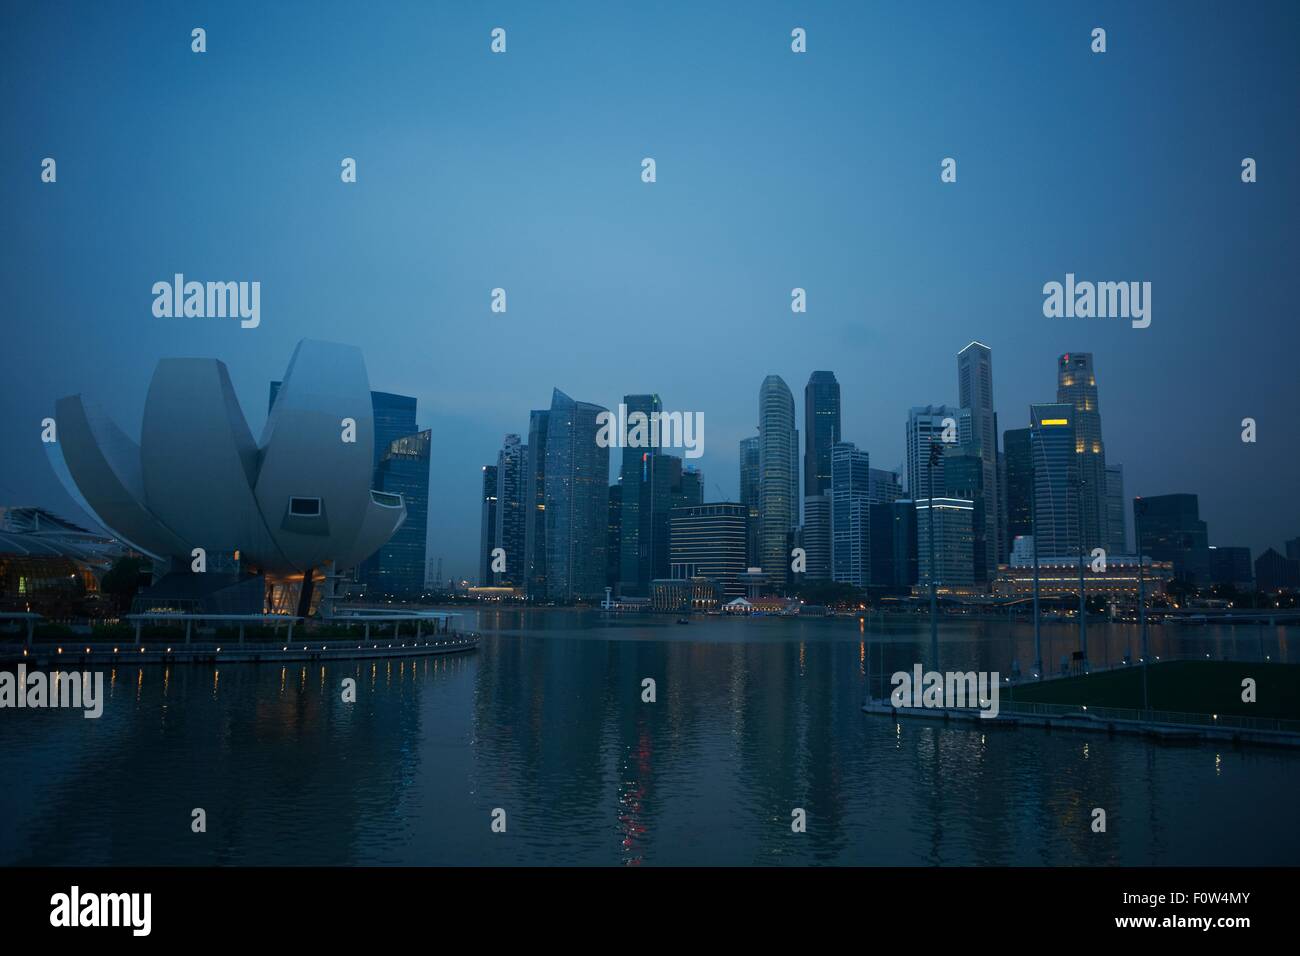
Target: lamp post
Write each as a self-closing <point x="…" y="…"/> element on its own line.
<point x="936" y="452"/>
<point x="1139" y="506"/>
<point x="1033" y="530"/>
<point x="1083" y="595"/>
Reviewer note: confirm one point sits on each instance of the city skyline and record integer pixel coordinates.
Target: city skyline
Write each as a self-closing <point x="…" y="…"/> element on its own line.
<point x="446" y="552"/>
<point x="529" y="180"/>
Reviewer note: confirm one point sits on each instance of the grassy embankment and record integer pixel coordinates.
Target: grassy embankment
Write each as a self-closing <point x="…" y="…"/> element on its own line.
<point x="1191" y="687"/>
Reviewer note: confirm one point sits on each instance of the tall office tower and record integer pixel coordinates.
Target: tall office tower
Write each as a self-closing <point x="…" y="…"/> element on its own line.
<point x="1056" y="490"/>
<point x="926" y="424"/>
<point x="975" y="392"/>
<point x="487" y="525"/>
<point x="1077" y="385"/>
<point x="893" y="544"/>
<point x="613" y="537"/>
<point x="535" y="495"/>
<point x="709" y="541"/>
<point x="670" y="487"/>
<point x="636" y="543"/>
<point x="1017" y="485"/>
<point x="883" y="486"/>
<point x="749" y="495"/>
<point x="1169" y="528"/>
<point x="778" y="491"/>
<point x="512" y="510"/>
<point x="1003" y="549"/>
<point x="963" y="477"/>
<point x="821" y="430"/>
<point x="577" y="501"/>
<point x="817" y="536"/>
<point x="398" y="567"/>
<point x="905" y="543"/>
<point x="1116" y="529"/>
<point x="882" y="570"/>
<point x="1231" y="567"/>
<point x="691" y="491"/>
<point x="850" y="515"/>
<point x="954" y="541"/>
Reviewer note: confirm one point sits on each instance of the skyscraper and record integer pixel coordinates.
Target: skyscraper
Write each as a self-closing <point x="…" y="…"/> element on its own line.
<point x="670" y="486"/>
<point x="975" y="392"/>
<point x="817" y="536"/>
<point x="1077" y="385"/>
<point x="954" y="541"/>
<point x="487" y="525"/>
<point x="850" y="515"/>
<point x="577" y="501"/>
<point x="1018" y="485"/>
<point x="1169" y="528"/>
<point x="709" y="541"/>
<point x="778" y="503"/>
<point x="512" y="510"/>
<point x="1055" y="465"/>
<point x="893" y="544"/>
<point x="398" y="567"/>
<point x="926" y="424"/>
<point x="535" y="495"/>
<point x="1232" y="567"/>
<point x="821" y="417"/>
<point x="1116" y="529"/>
<point x="613" y="537"/>
<point x="749" y="495"/>
<point x="691" y="490"/>
<point x="883" y="486"/>
<point x="963" y="477"/>
<point x="636" y="469"/>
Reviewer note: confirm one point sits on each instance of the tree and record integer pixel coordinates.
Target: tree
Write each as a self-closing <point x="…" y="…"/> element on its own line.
<point x="831" y="593"/>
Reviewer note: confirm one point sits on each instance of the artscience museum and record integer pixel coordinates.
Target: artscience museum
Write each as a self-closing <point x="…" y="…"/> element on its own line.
<point x="236" y="525"/>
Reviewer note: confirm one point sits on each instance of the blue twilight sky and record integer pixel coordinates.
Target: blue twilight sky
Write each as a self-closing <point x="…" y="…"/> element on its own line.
<point x="775" y="170"/>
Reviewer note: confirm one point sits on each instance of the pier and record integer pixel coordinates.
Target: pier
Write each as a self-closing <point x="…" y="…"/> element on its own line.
<point x="366" y="634"/>
<point x="1164" y="726"/>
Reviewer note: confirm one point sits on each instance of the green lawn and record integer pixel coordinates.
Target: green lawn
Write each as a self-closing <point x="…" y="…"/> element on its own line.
<point x="1193" y="687"/>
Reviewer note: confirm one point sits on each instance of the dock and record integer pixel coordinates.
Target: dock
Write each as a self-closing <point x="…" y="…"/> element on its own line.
<point x="1157" y="725"/>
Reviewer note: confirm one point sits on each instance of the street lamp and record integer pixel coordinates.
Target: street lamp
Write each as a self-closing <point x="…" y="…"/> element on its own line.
<point x="936" y="452"/>
<point x="1083" y="596"/>
<point x="1139" y="509"/>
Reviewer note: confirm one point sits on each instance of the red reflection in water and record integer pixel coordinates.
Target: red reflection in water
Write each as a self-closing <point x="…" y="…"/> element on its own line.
<point x="633" y="802"/>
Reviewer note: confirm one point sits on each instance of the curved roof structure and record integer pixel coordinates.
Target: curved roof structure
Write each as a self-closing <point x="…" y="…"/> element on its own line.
<point x="196" y="479"/>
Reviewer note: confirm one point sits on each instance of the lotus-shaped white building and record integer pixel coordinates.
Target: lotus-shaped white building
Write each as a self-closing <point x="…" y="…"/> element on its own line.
<point x="295" y="501"/>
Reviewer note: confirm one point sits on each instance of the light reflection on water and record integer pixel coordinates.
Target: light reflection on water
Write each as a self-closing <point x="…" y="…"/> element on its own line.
<point x="753" y="718"/>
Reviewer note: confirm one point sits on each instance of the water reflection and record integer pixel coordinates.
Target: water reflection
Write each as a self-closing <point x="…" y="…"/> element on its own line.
<point x="752" y="719"/>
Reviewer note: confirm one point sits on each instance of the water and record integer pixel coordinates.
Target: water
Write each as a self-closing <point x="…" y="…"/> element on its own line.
<point x="754" y="717"/>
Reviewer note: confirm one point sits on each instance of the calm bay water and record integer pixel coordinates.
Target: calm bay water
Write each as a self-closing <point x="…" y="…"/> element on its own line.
<point x="754" y="717"/>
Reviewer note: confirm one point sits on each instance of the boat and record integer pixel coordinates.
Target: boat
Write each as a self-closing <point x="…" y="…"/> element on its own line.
<point x="682" y="620"/>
